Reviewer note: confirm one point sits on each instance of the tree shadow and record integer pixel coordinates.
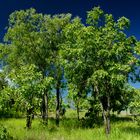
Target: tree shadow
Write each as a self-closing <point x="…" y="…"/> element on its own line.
<point x="115" y="118"/>
<point x="74" y="123"/>
<point x="84" y="123"/>
<point x="134" y="130"/>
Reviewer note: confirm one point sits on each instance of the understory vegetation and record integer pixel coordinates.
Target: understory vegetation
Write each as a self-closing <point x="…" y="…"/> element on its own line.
<point x="71" y="129"/>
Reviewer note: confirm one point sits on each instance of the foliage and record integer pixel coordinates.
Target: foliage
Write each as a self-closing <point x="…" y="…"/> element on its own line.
<point x="11" y="104"/>
<point x="101" y="56"/>
<point x="135" y="105"/>
<point x="29" y="83"/>
<point x="4" y="134"/>
<point x="46" y="54"/>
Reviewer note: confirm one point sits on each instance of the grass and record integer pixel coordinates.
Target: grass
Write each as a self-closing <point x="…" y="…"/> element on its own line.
<point x="122" y="129"/>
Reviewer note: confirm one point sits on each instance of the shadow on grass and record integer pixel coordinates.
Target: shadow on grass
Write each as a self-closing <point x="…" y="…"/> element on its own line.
<point x="129" y="130"/>
<point x="115" y="118"/>
<point x="83" y="123"/>
<point x="74" y="123"/>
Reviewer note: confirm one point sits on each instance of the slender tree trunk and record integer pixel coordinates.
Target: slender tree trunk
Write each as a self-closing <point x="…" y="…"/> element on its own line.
<point x="29" y="118"/>
<point x="106" y="116"/>
<point x="57" y="103"/>
<point x="77" y="107"/>
<point x="45" y="108"/>
<point x="60" y="105"/>
<point x="105" y="112"/>
<point x="108" y="128"/>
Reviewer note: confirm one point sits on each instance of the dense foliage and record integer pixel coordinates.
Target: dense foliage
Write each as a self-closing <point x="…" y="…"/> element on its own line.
<point x="47" y="58"/>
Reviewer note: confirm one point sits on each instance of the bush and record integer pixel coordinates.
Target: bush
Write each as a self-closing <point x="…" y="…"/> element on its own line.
<point x="4" y="134"/>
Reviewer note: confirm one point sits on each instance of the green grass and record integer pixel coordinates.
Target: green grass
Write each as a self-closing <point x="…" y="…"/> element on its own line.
<point x="123" y="129"/>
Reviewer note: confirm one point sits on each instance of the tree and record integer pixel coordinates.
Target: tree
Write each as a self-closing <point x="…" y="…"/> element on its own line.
<point x="30" y="84"/>
<point x="79" y="102"/>
<point x="107" y="55"/>
<point x="75" y="69"/>
<point x="114" y="56"/>
<point x="25" y="45"/>
<point x="54" y="27"/>
<point x="34" y="38"/>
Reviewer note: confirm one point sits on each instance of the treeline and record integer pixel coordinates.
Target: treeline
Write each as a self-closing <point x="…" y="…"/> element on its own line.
<point x="44" y="55"/>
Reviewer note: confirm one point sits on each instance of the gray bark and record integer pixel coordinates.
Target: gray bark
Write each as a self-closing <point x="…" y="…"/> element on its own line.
<point x="45" y="108"/>
<point x="57" y="103"/>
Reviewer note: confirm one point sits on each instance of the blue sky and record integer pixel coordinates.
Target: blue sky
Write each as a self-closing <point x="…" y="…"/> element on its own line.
<point x="127" y="8"/>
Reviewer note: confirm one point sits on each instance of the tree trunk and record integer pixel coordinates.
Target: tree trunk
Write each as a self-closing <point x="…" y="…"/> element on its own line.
<point x="45" y="108"/>
<point x="60" y="105"/>
<point x="29" y="118"/>
<point x="106" y="116"/>
<point x="77" y="107"/>
<point x="57" y="103"/>
<point x="105" y="112"/>
<point x="108" y="128"/>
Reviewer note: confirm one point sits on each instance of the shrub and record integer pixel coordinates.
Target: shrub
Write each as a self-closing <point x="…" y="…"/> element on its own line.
<point x="4" y="134"/>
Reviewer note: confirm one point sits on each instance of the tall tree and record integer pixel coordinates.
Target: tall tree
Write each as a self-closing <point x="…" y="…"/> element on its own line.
<point x="34" y="38"/>
<point x="25" y="44"/>
<point x="115" y="58"/>
<point x="106" y="55"/>
<point x="29" y="83"/>
<point x="54" y="26"/>
<point x="75" y="69"/>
